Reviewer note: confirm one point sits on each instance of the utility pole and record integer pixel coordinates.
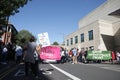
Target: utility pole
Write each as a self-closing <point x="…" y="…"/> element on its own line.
<point x="63" y="35"/>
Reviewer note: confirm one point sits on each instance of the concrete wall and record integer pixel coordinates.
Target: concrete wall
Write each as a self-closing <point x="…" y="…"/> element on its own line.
<point x="116" y="29"/>
<point x="95" y="42"/>
<point x="106" y="35"/>
<point x="106" y="28"/>
<point x="101" y="13"/>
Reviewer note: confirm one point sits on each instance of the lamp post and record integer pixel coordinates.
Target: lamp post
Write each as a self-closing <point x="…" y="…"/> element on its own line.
<point x="62" y="37"/>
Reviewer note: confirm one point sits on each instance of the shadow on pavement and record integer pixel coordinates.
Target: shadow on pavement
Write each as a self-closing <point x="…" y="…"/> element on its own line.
<point x="10" y="73"/>
<point x="41" y="77"/>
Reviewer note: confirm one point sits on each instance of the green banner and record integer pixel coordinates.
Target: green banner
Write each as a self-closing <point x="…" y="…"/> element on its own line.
<point x="99" y="55"/>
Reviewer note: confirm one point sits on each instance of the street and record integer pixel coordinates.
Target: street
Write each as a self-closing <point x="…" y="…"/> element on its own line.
<point x="67" y="71"/>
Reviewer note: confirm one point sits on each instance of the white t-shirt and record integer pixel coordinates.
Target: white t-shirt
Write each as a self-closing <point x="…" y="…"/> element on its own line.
<point x="36" y="55"/>
<point x="118" y="54"/>
<point x="62" y="53"/>
<point x="18" y="51"/>
<point x="5" y="50"/>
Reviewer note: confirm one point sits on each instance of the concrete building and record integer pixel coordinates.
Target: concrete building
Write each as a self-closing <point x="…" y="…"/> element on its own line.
<point x="100" y="29"/>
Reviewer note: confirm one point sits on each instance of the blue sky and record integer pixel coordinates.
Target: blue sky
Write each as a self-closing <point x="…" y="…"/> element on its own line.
<point x="57" y="17"/>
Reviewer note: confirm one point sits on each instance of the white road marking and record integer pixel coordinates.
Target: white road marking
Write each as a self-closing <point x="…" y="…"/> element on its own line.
<point x="47" y="72"/>
<point x="20" y="73"/>
<point x="66" y="73"/>
<point x="17" y="73"/>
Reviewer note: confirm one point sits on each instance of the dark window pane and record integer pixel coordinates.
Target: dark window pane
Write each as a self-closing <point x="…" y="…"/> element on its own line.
<point x="76" y="39"/>
<point x="90" y="35"/>
<point x="71" y="41"/>
<point x="67" y="42"/>
<point x="82" y="37"/>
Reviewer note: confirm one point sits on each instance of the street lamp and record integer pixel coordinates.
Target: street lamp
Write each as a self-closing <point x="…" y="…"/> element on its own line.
<point x="62" y="36"/>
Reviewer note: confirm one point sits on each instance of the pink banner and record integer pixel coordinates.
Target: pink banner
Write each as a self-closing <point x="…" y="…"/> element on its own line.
<point x="50" y="53"/>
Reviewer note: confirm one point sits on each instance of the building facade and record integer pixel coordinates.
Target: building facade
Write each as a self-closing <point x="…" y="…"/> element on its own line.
<point x="7" y="33"/>
<point x="100" y="29"/>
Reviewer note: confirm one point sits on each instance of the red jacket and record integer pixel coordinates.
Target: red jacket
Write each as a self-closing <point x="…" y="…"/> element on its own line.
<point x="113" y="55"/>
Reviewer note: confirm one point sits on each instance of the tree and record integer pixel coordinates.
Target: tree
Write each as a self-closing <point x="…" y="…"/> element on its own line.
<point x="10" y="7"/>
<point x="22" y="37"/>
<point x="55" y="43"/>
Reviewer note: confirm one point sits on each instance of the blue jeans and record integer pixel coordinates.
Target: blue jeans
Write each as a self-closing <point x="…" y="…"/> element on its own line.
<point x="4" y="56"/>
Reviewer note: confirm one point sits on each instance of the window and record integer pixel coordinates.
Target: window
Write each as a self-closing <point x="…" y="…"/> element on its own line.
<point x="71" y="40"/>
<point x="4" y="28"/>
<point x="76" y="39"/>
<point x="90" y="34"/>
<point x="67" y="42"/>
<point x="1" y="30"/>
<point x="82" y="37"/>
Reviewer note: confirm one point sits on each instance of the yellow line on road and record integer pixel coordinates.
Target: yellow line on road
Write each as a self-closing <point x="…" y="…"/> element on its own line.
<point x="6" y="73"/>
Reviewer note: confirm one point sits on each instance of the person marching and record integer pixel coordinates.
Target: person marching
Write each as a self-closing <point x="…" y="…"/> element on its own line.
<point x="74" y="51"/>
<point x="118" y="57"/>
<point x="29" y="57"/>
<point x="18" y="54"/>
<point x="4" y="54"/>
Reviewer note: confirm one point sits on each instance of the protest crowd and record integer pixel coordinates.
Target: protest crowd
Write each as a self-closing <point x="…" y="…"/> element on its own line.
<point x="30" y="55"/>
<point x="75" y="55"/>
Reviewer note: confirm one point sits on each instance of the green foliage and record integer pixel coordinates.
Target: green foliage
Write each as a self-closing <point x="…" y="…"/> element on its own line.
<point x="55" y="43"/>
<point x="10" y="7"/>
<point x="22" y="37"/>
